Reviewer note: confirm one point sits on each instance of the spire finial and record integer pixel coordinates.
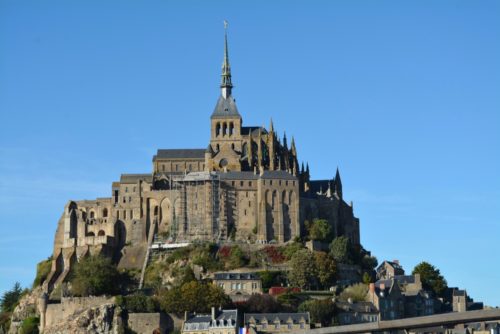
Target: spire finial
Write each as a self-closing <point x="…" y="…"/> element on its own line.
<point x="226" y="83"/>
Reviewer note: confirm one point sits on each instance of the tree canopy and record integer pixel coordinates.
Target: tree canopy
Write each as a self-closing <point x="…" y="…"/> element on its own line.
<point x="341" y="250"/>
<point x="95" y="275"/>
<point x="10" y="298"/>
<point x="320" y="230"/>
<point x="431" y="278"/>
<point x="321" y="311"/>
<point x="326" y="269"/>
<point x="193" y="297"/>
<point x="302" y="269"/>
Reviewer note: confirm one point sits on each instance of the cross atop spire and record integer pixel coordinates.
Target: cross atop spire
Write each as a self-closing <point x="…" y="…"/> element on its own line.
<point x="226" y="83"/>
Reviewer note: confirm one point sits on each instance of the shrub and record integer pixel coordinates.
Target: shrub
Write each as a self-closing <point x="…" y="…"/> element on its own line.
<point x="42" y="271"/>
<point x="30" y="326"/>
<point x="274" y="254"/>
<point x="95" y="275"/>
<point x="137" y="303"/>
<point x="356" y="292"/>
<point x="321" y="311"/>
<point x="291" y="249"/>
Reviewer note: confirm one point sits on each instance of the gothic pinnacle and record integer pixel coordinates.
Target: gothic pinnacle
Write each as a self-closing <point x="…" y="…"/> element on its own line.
<point x="226" y="84"/>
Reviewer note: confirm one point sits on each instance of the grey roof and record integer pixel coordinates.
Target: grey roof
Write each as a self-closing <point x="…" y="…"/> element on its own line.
<point x="268" y="174"/>
<point x="391" y="263"/>
<point x="405" y="279"/>
<point x="282" y="317"/>
<point x="246" y="130"/>
<point x="239" y="176"/>
<point x="278" y="174"/>
<point x="133" y="178"/>
<point x="236" y="276"/>
<point x="192" y="153"/>
<point x="225" y="108"/>
<point x="459" y="293"/>
<point x="360" y="307"/>
<point x="224" y="318"/>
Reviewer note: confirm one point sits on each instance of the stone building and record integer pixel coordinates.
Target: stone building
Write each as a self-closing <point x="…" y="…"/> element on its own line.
<point x="277" y="322"/>
<point x="218" y="322"/>
<point x="245" y="185"/>
<point x="238" y="286"/>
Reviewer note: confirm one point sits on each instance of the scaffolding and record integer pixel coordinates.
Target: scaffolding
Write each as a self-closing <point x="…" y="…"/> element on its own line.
<point x="194" y="199"/>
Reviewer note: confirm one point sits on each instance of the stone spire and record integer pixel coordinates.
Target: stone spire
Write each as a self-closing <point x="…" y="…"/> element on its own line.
<point x="226" y="85"/>
<point x="338" y="183"/>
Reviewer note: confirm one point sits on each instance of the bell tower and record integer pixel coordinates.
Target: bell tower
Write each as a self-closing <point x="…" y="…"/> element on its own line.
<point x="225" y="134"/>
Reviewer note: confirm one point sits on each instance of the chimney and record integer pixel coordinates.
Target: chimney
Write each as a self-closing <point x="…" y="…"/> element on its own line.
<point x="185" y="315"/>
<point x="382" y="286"/>
<point x="372" y="288"/>
<point x="396" y="262"/>
<point x="213" y="313"/>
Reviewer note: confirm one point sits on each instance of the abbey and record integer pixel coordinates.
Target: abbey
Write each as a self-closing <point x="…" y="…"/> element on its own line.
<point x="244" y="186"/>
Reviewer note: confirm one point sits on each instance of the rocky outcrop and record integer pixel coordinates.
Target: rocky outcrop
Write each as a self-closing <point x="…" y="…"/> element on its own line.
<point x="103" y="319"/>
<point x="27" y="307"/>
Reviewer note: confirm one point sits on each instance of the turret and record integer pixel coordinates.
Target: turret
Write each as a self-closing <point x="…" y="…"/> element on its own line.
<point x="338" y="184"/>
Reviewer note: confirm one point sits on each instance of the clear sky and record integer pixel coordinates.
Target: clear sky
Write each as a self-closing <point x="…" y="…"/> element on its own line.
<point x="402" y="96"/>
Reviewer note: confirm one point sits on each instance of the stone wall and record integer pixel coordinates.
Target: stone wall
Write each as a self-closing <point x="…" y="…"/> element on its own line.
<point x="59" y="312"/>
<point x="149" y="322"/>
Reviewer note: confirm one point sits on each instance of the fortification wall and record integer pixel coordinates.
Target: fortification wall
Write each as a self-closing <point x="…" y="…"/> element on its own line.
<point x="69" y="305"/>
<point x="149" y="322"/>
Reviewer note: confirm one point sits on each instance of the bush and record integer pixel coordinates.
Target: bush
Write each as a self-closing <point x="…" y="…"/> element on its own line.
<point x="137" y="303"/>
<point x="153" y="275"/>
<point x="341" y="250"/>
<point x="30" y="326"/>
<point x="271" y="278"/>
<point x="274" y="254"/>
<point x="321" y="311"/>
<point x="291" y="249"/>
<point x="95" y="275"/>
<point x="320" y="230"/>
<point x="261" y="304"/>
<point x="42" y="271"/>
<point x="356" y="292"/>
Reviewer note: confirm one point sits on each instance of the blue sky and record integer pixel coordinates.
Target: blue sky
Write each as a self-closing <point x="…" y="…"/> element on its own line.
<point x="402" y="96"/>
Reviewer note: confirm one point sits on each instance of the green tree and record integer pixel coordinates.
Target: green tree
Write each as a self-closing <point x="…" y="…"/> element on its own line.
<point x="326" y="268"/>
<point x="321" y="311"/>
<point x="341" y="250"/>
<point x="431" y="278"/>
<point x="261" y="304"/>
<point x="367" y="279"/>
<point x="356" y="292"/>
<point x="291" y="249"/>
<point x="320" y="230"/>
<point x="11" y="298"/>
<point x="369" y="262"/>
<point x="302" y="269"/>
<point x="193" y="297"/>
<point x="95" y="275"/>
<point x="237" y="258"/>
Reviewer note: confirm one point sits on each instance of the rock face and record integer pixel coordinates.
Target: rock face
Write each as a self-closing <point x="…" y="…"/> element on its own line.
<point x="103" y="319"/>
<point x="27" y="307"/>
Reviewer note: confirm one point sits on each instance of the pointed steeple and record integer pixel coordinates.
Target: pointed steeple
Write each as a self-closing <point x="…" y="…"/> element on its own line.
<point x="302" y="167"/>
<point x="338" y="183"/>
<point x="271" y="126"/>
<point x="292" y="147"/>
<point x="284" y="141"/>
<point x="226" y="85"/>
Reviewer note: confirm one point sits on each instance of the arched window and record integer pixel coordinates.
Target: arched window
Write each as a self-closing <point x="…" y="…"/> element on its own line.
<point x="217" y="129"/>
<point x="105" y="212"/>
<point x="92" y="214"/>
<point x="156" y="211"/>
<point x="101" y="233"/>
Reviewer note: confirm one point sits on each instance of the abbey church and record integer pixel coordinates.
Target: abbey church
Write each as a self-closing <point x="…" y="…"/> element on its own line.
<point x="246" y="185"/>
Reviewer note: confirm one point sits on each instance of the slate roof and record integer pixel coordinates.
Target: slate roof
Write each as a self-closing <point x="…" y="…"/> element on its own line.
<point x="360" y="307"/>
<point x="278" y="174"/>
<point x="236" y="276"/>
<point x="225" y="108"/>
<point x="405" y="279"/>
<point x="246" y="130"/>
<point x="224" y="318"/>
<point x="238" y="176"/>
<point x="459" y="293"/>
<point x="133" y="178"/>
<point x="192" y="153"/>
<point x="282" y="317"/>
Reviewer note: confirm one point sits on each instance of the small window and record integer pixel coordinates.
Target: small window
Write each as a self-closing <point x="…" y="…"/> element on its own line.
<point x="286" y="183"/>
<point x="271" y="182"/>
<point x="126" y="189"/>
<point x="131" y="214"/>
<point x="162" y="168"/>
<point x="279" y="182"/>
<point x="124" y="214"/>
<point x="245" y="212"/>
<point x="249" y="183"/>
<point x="241" y="183"/>
<point x="124" y="199"/>
<point x="105" y="212"/>
<point x="289" y="326"/>
<point x="134" y="187"/>
<point x="129" y="199"/>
